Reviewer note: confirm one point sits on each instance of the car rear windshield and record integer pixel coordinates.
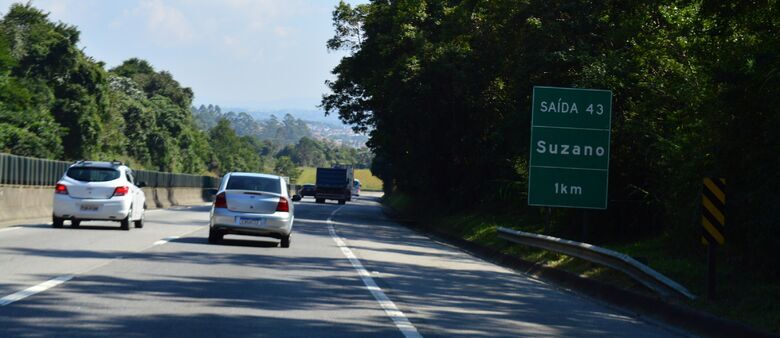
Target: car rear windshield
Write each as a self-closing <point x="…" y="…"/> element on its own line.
<point x="254" y="183"/>
<point x="88" y="174"/>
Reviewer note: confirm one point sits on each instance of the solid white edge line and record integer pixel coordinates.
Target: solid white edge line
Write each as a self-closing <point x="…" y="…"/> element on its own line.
<point x="399" y="318"/>
<point x="9" y="229"/>
<point x="34" y="289"/>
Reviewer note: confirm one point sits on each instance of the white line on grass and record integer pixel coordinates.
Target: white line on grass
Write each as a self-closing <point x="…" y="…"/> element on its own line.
<point x="399" y="318"/>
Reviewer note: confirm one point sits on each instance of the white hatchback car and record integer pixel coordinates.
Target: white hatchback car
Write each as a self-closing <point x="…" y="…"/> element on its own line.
<point x="252" y="204"/>
<point x="104" y="191"/>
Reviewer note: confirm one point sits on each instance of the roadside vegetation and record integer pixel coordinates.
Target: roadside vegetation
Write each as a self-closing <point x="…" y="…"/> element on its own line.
<point x="742" y="296"/>
<point x="445" y="90"/>
<point x="367" y="180"/>
<point x="56" y="102"/>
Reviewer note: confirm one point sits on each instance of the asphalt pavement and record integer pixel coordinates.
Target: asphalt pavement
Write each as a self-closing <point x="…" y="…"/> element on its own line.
<point x="349" y="272"/>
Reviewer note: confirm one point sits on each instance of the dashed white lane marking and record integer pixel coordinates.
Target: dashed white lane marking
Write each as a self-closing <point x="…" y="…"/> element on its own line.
<point x="62" y="279"/>
<point x="165" y="240"/>
<point x="399" y="318"/>
<point x="34" y="289"/>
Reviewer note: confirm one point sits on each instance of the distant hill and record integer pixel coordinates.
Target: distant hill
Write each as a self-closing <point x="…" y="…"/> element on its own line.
<point x="322" y="127"/>
<point x="307" y="115"/>
<point x="337" y="132"/>
<point x="282" y="126"/>
<point x="287" y="130"/>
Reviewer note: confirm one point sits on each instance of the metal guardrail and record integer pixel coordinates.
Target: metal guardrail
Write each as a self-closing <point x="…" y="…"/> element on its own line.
<point x="615" y="260"/>
<point x="21" y="170"/>
<point x="170" y="180"/>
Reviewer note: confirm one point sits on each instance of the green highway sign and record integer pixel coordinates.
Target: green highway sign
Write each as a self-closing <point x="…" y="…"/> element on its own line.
<point x="571" y="188"/>
<point x="570" y="148"/>
<point x="569" y="162"/>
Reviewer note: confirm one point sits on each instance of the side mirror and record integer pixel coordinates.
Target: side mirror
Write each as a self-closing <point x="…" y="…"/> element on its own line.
<point x="296" y="198"/>
<point x="141" y="184"/>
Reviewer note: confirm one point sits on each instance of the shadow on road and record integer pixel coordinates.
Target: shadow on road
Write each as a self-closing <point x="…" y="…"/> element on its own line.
<point x="102" y="226"/>
<point x="196" y="208"/>
<point x="260" y="242"/>
<point x="213" y="303"/>
<point x="444" y="292"/>
<point x="459" y="293"/>
<point x="94" y="227"/>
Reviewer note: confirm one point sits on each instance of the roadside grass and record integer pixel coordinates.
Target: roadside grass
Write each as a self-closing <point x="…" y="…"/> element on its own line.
<point x="308" y="176"/>
<point x="742" y="296"/>
<point x="367" y="180"/>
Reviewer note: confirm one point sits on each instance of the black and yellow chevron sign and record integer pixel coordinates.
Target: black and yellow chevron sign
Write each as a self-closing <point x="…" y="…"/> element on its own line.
<point x="713" y="210"/>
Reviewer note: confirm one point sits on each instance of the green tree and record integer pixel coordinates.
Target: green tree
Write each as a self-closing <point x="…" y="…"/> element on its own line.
<point x="285" y="167"/>
<point x="155" y="83"/>
<point x="444" y="89"/>
<point x="26" y="127"/>
<point x="165" y="120"/>
<point x="131" y="103"/>
<point x="47" y="58"/>
<point x="57" y="102"/>
<point x="232" y="152"/>
<point x="308" y="153"/>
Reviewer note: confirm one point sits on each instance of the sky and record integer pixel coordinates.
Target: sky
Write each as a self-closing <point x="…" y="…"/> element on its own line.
<point x="252" y="54"/>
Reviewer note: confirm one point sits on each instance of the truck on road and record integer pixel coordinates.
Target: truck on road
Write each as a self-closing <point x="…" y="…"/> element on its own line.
<point x="334" y="184"/>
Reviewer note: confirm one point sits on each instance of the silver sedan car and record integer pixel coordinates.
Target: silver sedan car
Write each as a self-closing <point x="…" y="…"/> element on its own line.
<point x="252" y="204"/>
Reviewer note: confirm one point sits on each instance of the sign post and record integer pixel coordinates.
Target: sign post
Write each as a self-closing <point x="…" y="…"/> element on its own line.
<point x="713" y="222"/>
<point x="570" y="138"/>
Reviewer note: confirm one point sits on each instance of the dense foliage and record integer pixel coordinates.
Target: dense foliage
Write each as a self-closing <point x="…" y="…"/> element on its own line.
<point x="290" y="138"/>
<point x="445" y="88"/>
<point x="309" y="152"/>
<point x="287" y="131"/>
<point x="58" y="103"/>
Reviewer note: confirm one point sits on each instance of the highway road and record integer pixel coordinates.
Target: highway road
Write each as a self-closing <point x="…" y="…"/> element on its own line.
<point x="349" y="272"/>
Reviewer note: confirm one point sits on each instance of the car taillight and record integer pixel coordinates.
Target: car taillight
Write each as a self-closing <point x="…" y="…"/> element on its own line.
<point x="283" y="205"/>
<point x="220" y="201"/>
<point x="121" y="191"/>
<point x="61" y="189"/>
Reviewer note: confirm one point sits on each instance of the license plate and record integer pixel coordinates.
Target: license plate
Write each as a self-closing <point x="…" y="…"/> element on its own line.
<point x="250" y="221"/>
<point x="87" y="207"/>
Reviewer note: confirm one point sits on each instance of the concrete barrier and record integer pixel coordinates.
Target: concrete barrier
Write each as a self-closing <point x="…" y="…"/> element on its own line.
<point x="20" y="203"/>
<point x="166" y="197"/>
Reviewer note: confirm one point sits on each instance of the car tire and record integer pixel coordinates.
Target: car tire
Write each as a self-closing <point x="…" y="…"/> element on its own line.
<point x="342" y="202"/>
<point x="57" y="222"/>
<point x="215" y="236"/>
<point x="320" y="200"/>
<point x="285" y="242"/>
<point x="125" y="223"/>
<point x="140" y="222"/>
<point x="75" y="223"/>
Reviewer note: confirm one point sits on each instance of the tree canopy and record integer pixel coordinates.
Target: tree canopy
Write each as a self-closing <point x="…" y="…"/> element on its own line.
<point x="57" y="102"/>
<point x="445" y="88"/>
